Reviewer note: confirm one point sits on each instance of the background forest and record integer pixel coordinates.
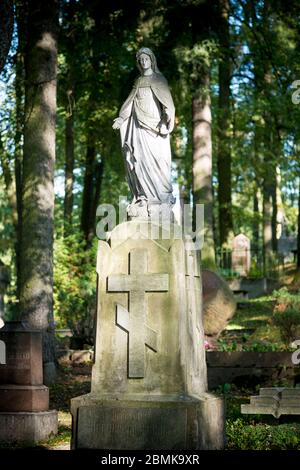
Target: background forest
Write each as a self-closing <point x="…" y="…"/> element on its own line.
<point x="234" y="70"/>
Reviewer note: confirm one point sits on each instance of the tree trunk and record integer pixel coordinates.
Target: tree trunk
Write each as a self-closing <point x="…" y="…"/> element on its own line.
<point x="9" y="183"/>
<point x="88" y="188"/>
<point x="202" y="167"/>
<point x="70" y="44"/>
<point x="36" y="293"/>
<point x="274" y="215"/>
<point x="267" y="199"/>
<point x="223" y="133"/>
<point x="98" y="183"/>
<point x="6" y="29"/>
<point x="69" y="169"/>
<point x="269" y="194"/>
<point x="19" y="90"/>
<point x="298" y="234"/>
<point x="255" y="225"/>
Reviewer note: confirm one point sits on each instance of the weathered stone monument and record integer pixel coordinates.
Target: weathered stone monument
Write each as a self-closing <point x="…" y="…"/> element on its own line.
<point x="149" y="385"/>
<point x="24" y="400"/>
<point x="274" y="401"/>
<point x="240" y="257"/>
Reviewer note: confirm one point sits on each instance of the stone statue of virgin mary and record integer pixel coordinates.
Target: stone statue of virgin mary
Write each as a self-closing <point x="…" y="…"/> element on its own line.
<point x="146" y="120"/>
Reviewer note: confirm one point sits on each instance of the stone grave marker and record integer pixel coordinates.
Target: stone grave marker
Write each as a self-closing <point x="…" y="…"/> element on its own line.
<point x="149" y="381"/>
<point x="240" y="257"/>
<point x="24" y="400"/>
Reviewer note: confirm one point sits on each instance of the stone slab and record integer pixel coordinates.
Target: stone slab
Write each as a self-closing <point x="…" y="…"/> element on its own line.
<point x="24" y="398"/>
<point x="262" y="409"/>
<point x="28" y="427"/>
<point x="276" y="401"/>
<point x="149" y="422"/>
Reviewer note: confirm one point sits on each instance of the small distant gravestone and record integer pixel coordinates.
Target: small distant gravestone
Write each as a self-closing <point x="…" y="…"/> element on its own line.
<point x="240" y="258"/>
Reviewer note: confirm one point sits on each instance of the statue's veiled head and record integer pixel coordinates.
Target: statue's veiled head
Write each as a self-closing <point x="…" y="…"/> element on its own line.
<point x="148" y="52"/>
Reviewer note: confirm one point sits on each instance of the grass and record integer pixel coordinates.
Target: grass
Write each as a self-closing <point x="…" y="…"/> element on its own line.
<point x="251" y="328"/>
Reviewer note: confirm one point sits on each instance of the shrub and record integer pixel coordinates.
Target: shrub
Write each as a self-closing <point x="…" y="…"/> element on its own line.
<point x="286" y="313"/>
<point x="262" y="436"/>
<point x="75" y="287"/>
<point x="287" y="322"/>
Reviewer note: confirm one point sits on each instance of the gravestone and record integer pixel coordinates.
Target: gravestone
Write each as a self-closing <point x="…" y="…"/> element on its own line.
<point x="149" y="382"/>
<point x="24" y="400"/>
<point x="240" y="257"/>
<point x="219" y="304"/>
<point x="274" y="401"/>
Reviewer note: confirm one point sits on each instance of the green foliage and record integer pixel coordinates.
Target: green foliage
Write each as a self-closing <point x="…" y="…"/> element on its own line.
<point x="241" y="436"/>
<point x="286" y="314"/>
<point x="251" y="346"/>
<point x="75" y="286"/>
<point x="252" y="328"/>
<point x="287" y="322"/>
<point x="284" y="296"/>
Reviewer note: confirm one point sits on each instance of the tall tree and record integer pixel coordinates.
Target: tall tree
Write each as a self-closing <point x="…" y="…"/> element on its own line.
<point x="298" y="230"/>
<point x="36" y="293"/>
<point x="223" y="127"/>
<point x="194" y="56"/>
<point x="88" y="186"/>
<point x="202" y="161"/>
<point x="6" y="29"/>
<point x="22" y="25"/>
<point x="69" y="38"/>
<point x="69" y="169"/>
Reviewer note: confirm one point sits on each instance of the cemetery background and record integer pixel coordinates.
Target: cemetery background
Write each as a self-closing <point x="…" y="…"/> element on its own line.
<point x="234" y="57"/>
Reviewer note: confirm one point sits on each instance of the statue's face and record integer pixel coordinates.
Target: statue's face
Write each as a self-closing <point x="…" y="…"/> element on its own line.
<point x="145" y="62"/>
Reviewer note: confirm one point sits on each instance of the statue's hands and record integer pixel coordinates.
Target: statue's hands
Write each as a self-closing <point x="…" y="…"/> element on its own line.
<point x="167" y="116"/>
<point x="165" y="122"/>
<point x="117" y="123"/>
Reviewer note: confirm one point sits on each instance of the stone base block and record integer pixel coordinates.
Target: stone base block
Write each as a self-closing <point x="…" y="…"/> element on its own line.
<point x="17" y="398"/>
<point x="148" y="422"/>
<point x="28" y="427"/>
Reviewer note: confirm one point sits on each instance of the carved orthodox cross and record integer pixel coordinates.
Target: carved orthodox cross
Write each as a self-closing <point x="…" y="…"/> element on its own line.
<point x="137" y="283"/>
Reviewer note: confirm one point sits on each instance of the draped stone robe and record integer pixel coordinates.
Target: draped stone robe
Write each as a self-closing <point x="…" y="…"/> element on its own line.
<point x="145" y="136"/>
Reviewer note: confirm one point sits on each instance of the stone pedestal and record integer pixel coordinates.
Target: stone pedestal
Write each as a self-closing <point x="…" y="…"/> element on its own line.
<point x="149" y="384"/>
<point x="24" y="400"/>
